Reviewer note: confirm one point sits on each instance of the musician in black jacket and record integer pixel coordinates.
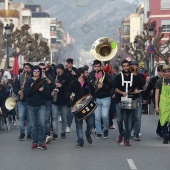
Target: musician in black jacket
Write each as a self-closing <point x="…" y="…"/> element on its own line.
<point x="60" y="105"/>
<point x="136" y="117"/>
<point x="48" y="102"/>
<point x="18" y="89"/>
<point x="71" y="72"/>
<point x="81" y="87"/>
<point x="103" y="87"/>
<point x="151" y="87"/>
<point x="124" y="83"/>
<point x="3" y="96"/>
<point x="36" y="91"/>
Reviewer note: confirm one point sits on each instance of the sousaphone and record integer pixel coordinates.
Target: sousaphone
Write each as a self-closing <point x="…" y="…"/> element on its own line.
<point x="10" y="103"/>
<point x="104" y="49"/>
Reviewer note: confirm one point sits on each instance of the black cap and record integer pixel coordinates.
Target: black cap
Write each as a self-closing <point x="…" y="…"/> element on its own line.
<point x="61" y="66"/>
<point x="134" y="63"/>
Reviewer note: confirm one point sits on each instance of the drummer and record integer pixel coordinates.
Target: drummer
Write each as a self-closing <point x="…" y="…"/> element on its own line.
<point x="124" y="83"/>
<point x="75" y="91"/>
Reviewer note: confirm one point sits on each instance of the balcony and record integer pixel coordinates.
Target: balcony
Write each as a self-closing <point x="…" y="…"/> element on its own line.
<point x="9" y="14"/>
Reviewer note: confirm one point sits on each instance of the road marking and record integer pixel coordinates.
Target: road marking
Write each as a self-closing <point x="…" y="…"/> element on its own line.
<point x="131" y="164"/>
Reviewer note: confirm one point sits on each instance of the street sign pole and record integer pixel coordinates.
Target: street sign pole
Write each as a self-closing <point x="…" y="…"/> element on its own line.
<point x="7" y="56"/>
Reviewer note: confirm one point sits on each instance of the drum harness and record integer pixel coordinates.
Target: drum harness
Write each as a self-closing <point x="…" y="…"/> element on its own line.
<point x="127" y="82"/>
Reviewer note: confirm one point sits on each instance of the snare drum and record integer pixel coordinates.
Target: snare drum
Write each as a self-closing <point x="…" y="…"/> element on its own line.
<point x="130" y="104"/>
<point x="84" y="107"/>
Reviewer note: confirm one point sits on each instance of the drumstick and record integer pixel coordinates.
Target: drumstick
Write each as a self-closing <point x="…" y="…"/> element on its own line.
<point x="138" y="91"/>
<point x="129" y="91"/>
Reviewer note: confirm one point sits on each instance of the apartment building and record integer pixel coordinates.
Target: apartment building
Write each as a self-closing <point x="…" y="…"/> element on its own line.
<point x="159" y="11"/>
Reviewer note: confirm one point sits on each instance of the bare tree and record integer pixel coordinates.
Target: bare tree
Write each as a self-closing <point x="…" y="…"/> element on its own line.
<point x="160" y="50"/>
<point x="33" y="47"/>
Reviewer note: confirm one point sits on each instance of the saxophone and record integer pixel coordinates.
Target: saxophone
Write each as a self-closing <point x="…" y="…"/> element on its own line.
<point x="55" y="91"/>
<point x="22" y="87"/>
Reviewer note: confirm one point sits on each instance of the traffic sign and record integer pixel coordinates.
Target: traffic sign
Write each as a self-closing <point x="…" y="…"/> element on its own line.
<point x="150" y="49"/>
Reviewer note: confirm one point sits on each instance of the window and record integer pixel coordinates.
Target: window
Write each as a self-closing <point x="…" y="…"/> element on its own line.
<point x="126" y="30"/>
<point x="165" y="25"/>
<point x="59" y="35"/>
<point x="53" y="28"/>
<point x="53" y="40"/>
<point x="165" y="4"/>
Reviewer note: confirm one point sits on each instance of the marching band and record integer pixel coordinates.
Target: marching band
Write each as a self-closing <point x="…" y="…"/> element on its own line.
<point x="44" y="91"/>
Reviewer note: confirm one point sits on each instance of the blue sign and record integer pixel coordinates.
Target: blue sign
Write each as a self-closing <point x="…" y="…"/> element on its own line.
<point x="150" y="49"/>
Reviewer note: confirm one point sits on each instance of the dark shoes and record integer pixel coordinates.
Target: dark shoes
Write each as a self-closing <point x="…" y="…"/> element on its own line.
<point x="21" y="137"/>
<point x="166" y="141"/>
<point x="55" y="136"/>
<point x="63" y="135"/>
<point x="136" y="139"/>
<point x="126" y="143"/>
<point x="42" y="146"/>
<point x="89" y="139"/>
<point x="79" y="145"/>
<point x="98" y="136"/>
<point x="29" y="137"/>
<point x="106" y="134"/>
<point x="120" y="139"/>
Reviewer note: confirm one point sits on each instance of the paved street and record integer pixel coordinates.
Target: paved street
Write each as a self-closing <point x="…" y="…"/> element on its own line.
<point x="104" y="154"/>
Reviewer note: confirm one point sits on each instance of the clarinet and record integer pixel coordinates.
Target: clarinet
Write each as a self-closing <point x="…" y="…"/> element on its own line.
<point x="55" y="91"/>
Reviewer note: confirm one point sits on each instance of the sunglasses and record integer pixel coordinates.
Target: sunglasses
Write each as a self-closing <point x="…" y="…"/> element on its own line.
<point x="37" y="71"/>
<point x="43" y="68"/>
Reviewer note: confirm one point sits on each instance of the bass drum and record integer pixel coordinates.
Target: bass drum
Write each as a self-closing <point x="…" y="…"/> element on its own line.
<point x="84" y="107"/>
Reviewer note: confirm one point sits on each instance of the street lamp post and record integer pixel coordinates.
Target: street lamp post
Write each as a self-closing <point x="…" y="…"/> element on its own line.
<point x="151" y="33"/>
<point x="8" y="34"/>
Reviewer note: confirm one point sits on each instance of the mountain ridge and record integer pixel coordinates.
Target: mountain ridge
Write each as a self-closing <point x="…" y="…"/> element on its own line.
<point x="86" y="24"/>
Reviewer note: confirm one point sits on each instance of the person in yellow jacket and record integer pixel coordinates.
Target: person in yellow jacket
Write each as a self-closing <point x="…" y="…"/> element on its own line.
<point x="162" y="102"/>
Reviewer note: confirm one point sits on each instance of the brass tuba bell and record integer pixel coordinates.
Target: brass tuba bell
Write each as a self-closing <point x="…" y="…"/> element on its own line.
<point x="10" y="103"/>
<point x="104" y="49"/>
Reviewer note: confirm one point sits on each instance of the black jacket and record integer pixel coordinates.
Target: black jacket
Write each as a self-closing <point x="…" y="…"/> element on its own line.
<point x="118" y="85"/>
<point x="51" y="86"/>
<point x="17" y="86"/>
<point x="105" y="91"/>
<point x="61" y="97"/>
<point x="3" y="96"/>
<point x="68" y="73"/>
<point x="150" y="87"/>
<point x="141" y="82"/>
<point x="75" y="87"/>
<point x="36" y="98"/>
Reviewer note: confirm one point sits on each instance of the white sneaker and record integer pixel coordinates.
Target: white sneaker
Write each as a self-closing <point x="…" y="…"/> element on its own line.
<point x="60" y="120"/>
<point x="140" y="134"/>
<point x="48" y="139"/>
<point x="14" y="123"/>
<point x="68" y="130"/>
